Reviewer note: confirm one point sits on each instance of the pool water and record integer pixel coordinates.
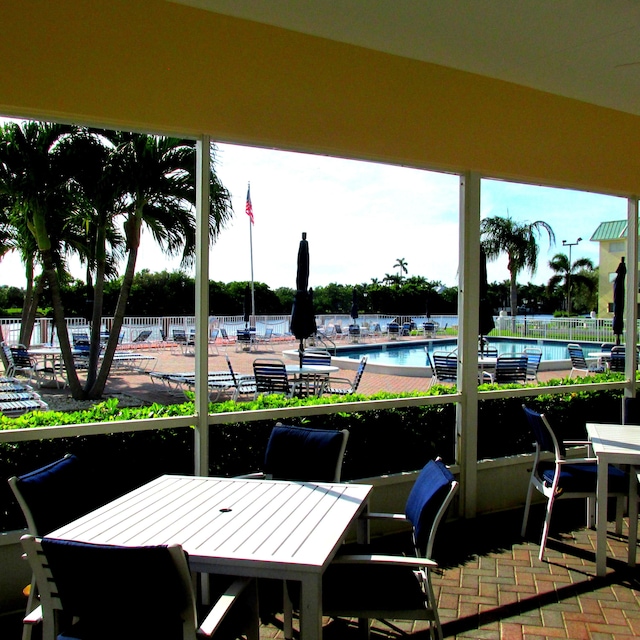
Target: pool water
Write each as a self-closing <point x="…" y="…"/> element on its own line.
<point x="413" y="354"/>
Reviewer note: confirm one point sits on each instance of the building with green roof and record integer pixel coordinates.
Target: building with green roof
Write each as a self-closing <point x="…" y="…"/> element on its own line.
<point x="612" y="239"/>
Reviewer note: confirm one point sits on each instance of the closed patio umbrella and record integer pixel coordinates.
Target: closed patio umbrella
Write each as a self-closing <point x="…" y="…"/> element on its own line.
<point x="486" y="322"/>
<point x="303" y="320"/>
<point x="618" y="300"/>
<point x="354" y="305"/>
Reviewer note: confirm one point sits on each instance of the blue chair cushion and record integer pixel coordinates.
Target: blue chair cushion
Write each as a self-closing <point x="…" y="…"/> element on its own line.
<point x="425" y="499"/>
<point x="117" y="592"/>
<point x="57" y="493"/>
<point x="582" y="478"/>
<point x="301" y="453"/>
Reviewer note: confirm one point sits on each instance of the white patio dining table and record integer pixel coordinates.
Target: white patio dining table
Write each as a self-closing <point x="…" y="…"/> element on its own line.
<point x="258" y="528"/>
<point x="615" y="444"/>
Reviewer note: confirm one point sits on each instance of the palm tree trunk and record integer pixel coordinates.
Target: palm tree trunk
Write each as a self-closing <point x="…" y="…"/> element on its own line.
<point x="29" y="311"/>
<point x="61" y="326"/>
<point x="514" y="301"/>
<point x="132" y="227"/>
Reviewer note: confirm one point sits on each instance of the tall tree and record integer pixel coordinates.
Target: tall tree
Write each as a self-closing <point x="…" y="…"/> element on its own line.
<point x="154" y="184"/>
<point x="34" y="176"/>
<point x="519" y="240"/>
<point x="569" y="276"/>
<point x="401" y="266"/>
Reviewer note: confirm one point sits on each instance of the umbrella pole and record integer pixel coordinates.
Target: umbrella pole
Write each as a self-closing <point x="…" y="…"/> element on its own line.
<point x="301" y="351"/>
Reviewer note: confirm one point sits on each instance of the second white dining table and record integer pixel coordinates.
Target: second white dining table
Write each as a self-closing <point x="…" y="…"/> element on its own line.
<point x="615" y="444"/>
<point x="257" y="528"/>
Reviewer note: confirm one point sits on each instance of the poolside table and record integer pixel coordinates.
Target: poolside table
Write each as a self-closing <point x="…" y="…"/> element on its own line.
<point x="311" y="376"/>
<point x="233" y="526"/>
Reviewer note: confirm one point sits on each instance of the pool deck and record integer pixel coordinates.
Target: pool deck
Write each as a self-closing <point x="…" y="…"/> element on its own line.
<point x="171" y="359"/>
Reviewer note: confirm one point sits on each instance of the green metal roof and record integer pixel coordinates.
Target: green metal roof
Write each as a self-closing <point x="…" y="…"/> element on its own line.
<point x="610" y="231"/>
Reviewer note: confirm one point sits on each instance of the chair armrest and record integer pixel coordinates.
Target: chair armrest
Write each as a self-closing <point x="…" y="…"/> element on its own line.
<point x="331" y="381"/>
<point x="258" y="475"/>
<point x="384" y="516"/>
<point x="577" y="461"/>
<point x="35" y="617"/>
<point x="402" y="561"/>
<point x="583" y="442"/>
<point x="222" y="607"/>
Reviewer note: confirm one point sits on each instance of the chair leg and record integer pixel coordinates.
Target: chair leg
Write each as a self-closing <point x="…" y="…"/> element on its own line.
<point x="527" y="507"/>
<point x="545" y="528"/>
<point x="287" y="613"/>
<point x="431" y="599"/>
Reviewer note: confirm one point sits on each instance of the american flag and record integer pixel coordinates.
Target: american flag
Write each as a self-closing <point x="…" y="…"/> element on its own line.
<point x="249" y="209"/>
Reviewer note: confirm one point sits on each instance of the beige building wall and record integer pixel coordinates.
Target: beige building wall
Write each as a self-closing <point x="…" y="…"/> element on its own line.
<point x="162" y="67"/>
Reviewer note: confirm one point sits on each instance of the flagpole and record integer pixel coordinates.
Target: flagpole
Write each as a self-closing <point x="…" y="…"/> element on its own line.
<point x="249" y="210"/>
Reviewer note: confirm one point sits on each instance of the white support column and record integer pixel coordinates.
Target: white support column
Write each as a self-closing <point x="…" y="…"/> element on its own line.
<point x="631" y="294"/>
<point x="468" y="322"/>
<point x="203" y="165"/>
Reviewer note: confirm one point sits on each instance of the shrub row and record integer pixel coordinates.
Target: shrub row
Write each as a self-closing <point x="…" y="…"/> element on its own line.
<point x="381" y="441"/>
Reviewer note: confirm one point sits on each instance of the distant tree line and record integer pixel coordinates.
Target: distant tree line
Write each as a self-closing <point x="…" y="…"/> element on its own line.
<point x="173" y="294"/>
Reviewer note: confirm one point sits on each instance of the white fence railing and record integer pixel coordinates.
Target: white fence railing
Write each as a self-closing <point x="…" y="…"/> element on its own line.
<point x="161" y="327"/>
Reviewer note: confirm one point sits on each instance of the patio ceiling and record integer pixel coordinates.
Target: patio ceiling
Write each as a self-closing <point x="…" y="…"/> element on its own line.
<point x="588" y="51"/>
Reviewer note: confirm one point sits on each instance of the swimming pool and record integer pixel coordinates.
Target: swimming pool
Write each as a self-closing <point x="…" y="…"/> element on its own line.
<point x="413" y="354"/>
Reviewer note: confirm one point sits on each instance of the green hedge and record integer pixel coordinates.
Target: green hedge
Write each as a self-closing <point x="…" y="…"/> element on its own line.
<point x="380" y="441"/>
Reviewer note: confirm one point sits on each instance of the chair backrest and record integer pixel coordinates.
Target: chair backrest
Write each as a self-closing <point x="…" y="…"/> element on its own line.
<point x="305" y="454"/>
<point x="577" y="356"/>
<point x="446" y="366"/>
<point x="56" y="494"/>
<point x="213" y="335"/>
<point x="544" y="435"/>
<point x="511" y="368"/>
<point x="359" y="374"/>
<point x="354" y="330"/>
<point x="393" y="327"/>
<point x="271" y="376"/>
<point x="617" y="361"/>
<point x="631" y="410"/>
<point x="316" y="357"/>
<point x="338" y="329"/>
<point x="534" y="357"/>
<point x="143" y="335"/>
<point x="97" y="584"/>
<point x="80" y="338"/>
<point x="21" y="357"/>
<point x="268" y="332"/>
<point x="179" y="335"/>
<point x="428" y="502"/>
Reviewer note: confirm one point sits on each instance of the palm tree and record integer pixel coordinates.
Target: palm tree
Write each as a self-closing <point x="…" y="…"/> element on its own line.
<point x="519" y="240"/>
<point x="401" y="266"/>
<point x="43" y="205"/>
<point x="570" y="275"/>
<point x="155" y="187"/>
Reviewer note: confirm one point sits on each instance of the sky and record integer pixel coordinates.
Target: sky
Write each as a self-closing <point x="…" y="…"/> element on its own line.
<point x="360" y="218"/>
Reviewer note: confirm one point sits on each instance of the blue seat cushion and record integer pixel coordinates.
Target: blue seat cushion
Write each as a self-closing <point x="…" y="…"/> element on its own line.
<point x="582" y="478"/>
<point x="426" y="498"/>
<point x="301" y="453"/>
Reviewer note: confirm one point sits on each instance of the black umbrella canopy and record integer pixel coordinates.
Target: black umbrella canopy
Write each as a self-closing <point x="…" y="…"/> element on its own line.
<point x="427" y="314"/>
<point x="246" y="303"/>
<point x="354" y="304"/>
<point x="618" y="300"/>
<point x="303" y="319"/>
<point x="486" y="321"/>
